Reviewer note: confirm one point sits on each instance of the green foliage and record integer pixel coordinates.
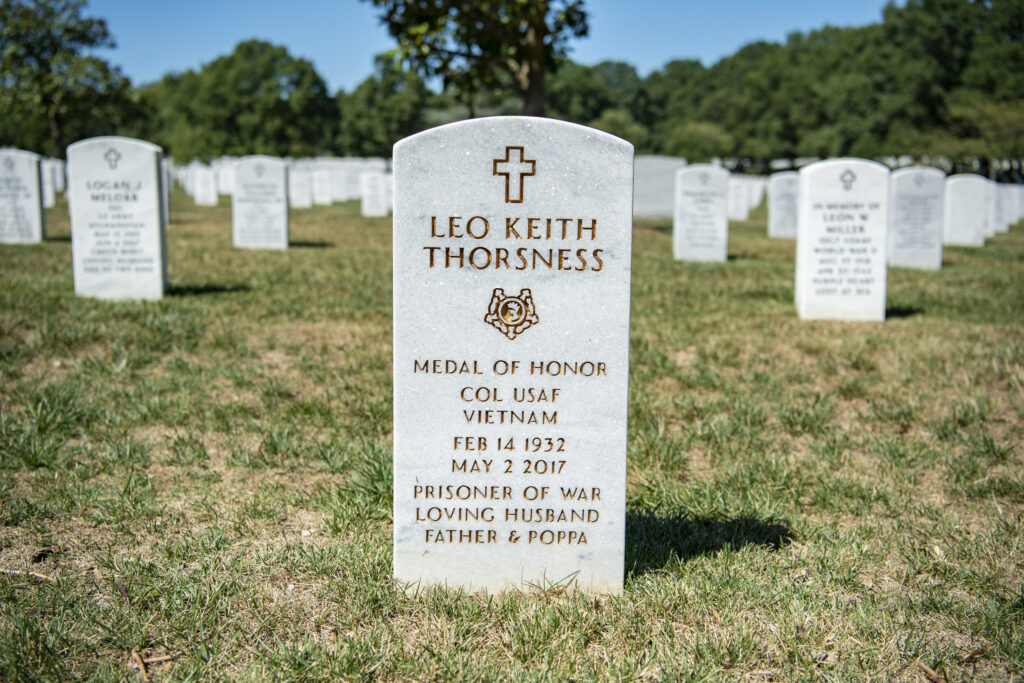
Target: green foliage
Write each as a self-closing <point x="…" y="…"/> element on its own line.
<point x="50" y="92"/>
<point x="619" y="122"/>
<point x="257" y="100"/>
<point x="383" y="109"/>
<point x="481" y="45"/>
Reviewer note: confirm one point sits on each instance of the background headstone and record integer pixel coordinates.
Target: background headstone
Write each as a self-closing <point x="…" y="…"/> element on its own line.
<point x="373" y="190"/>
<point x="783" y="188"/>
<point x="841" y="240"/>
<point x="117" y="229"/>
<point x="259" y="203"/>
<point x="700" y="228"/>
<point x="49" y="186"/>
<point x="511" y="356"/>
<point x="738" y="200"/>
<point x="323" y="186"/>
<point x="654" y="185"/>
<point x="965" y="213"/>
<point x="22" y="219"/>
<point x="915" y="218"/>
<point x="300" y="187"/>
<point x="204" y="186"/>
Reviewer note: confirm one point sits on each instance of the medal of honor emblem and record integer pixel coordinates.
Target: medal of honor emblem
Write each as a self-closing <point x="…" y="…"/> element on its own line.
<point x="511" y="315"/>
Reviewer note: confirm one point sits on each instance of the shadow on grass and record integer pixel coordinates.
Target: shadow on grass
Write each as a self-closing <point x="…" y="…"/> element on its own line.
<point x="58" y="238"/>
<point x="310" y="245"/>
<point x="199" y="290"/>
<point x="653" y="541"/>
<point x="742" y="256"/>
<point x="902" y="311"/>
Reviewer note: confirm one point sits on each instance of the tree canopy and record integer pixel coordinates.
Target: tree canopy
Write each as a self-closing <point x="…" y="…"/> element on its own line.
<point x="51" y="91"/>
<point x="479" y="45"/>
<point x="934" y="77"/>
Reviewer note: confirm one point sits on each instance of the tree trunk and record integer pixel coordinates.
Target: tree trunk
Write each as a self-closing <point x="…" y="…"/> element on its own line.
<point x="56" y="133"/>
<point x="531" y="66"/>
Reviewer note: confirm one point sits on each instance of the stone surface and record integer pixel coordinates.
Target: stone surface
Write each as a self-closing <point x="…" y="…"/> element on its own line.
<point x="49" y="187"/>
<point x="373" y="191"/>
<point x="117" y="229"/>
<point x="259" y="203"/>
<point x="323" y="186"/>
<point x="915" y="218"/>
<point x="512" y="242"/>
<point x="965" y="210"/>
<point x="783" y="189"/>
<point x="654" y="185"/>
<point x="300" y="187"/>
<point x="204" y="186"/>
<point x="22" y="220"/>
<point x="841" y="240"/>
<point x="738" y="200"/>
<point x="700" y="228"/>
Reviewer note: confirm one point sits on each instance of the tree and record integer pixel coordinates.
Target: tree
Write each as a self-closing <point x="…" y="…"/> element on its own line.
<point x="383" y="109"/>
<point x="256" y="100"/>
<point x="45" y="73"/>
<point x="480" y="45"/>
<point x="582" y="93"/>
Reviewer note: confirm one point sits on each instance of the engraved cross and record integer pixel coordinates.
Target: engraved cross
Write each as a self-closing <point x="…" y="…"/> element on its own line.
<point x="847" y="179"/>
<point x="515" y="172"/>
<point x="112" y="156"/>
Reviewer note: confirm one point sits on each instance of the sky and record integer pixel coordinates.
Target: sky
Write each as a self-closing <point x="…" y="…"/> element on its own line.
<point x="341" y="37"/>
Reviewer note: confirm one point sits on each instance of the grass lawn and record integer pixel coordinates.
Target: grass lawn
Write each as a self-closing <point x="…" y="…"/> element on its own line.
<point x="204" y="482"/>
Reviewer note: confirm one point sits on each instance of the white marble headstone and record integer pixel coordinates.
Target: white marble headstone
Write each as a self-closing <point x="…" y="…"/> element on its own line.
<point x="204" y="186"/>
<point x="512" y="242"/>
<point x="259" y="203"/>
<point x="738" y="199"/>
<point x="300" y="187"/>
<point x="841" y="240"/>
<point x="915" y="218"/>
<point x="323" y="186"/>
<point x="48" y="184"/>
<point x="22" y="220"/>
<point x="965" y="213"/>
<point x="373" y="193"/>
<point x="654" y="185"/>
<point x="783" y="188"/>
<point x="700" y="228"/>
<point x="117" y="229"/>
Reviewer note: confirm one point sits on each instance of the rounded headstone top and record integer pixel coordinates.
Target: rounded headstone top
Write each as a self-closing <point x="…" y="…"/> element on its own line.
<point x="527" y="123"/>
<point x="115" y="139"/>
<point x="14" y="151"/>
<point x="918" y="170"/>
<point x="840" y="161"/>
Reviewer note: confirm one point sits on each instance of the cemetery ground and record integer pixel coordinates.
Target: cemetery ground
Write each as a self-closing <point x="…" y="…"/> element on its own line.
<point x="201" y="486"/>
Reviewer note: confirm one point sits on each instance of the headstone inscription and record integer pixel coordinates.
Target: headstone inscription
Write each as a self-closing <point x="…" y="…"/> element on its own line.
<point x="512" y="242"/>
<point x="841" y="240"/>
<point x="965" y="211"/>
<point x="117" y="229"/>
<point x="373" y="193"/>
<point x="700" y="228"/>
<point x="783" y="188"/>
<point x="654" y="185"/>
<point x="22" y="219"/>
<point x="915" y="219"/>
<point x="259" y="203"/>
